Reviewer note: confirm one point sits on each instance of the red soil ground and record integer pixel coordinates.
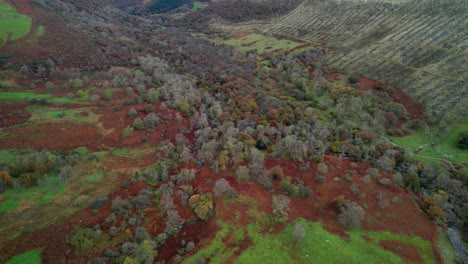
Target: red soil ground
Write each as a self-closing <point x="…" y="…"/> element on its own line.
<point x="401" y="217"/>
<point x="414" y="108"/>
<point x="12" y="114"/>
<point x="404" y="250"/>
<point x="53" y="238"/>
<point x="51" y="136"/>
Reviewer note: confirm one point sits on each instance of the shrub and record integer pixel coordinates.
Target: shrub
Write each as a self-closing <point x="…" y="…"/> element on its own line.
<point x="462" y="141"/>
<point x="281" y="206"/>
<point x="261" y="145"/>
<point x="81" y="93"/>
<point x="49" y="85"/>
<point x="223" y="188"/>
<point x="6" y="181"/>
<point x="304" y="191"/>
<point x="149" y="108"/>
<point x="351" y="215"/>
<point x="398" y="109"/>
<point x="107" y="95"/>
<point x="94" y="98"/>
<point x="242" y="174"/>
<point x="132" y="113"/>
<point x="173" y="222"/>
<point x="299" y="232"/>
<point x="29" y="179"/>
<point x="98" y="202"/>
<point x="353" y="79"/>
<point x="138" y="124"/>
<point x="322" y="169"/>
<point x="320" y="179"/>
<point x="276" y="173"/>
<point x="289" y="188"/>
<point x="126" y="132"/>
<point x="151" y="121"/>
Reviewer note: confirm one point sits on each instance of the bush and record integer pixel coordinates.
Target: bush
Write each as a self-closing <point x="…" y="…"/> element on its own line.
<point x="107" y="95"/>
<point x="320" y="179"/>
<point x="132" y="113"/>
<point x="276" y="173"/>
<point x="242" y="174"/>
<point x="151" y="121"/>
<point x="322" y="169"/>
<point x="223" y="188"/>
<point x="353" y="79"/>
<point x="351" y="215"/>
<point x="126" y="132"/>
<point x="6" y="181"/>
<point x="289" y="188"/>
<point x="261" y="145"/>
<point x="138" y="124"/>
<point x="299" y="232"/>
<point x="462" y="141"/>
<point x="49" y="85"/>
<point x="98" y="202"/>
<point x="281" y="206"/>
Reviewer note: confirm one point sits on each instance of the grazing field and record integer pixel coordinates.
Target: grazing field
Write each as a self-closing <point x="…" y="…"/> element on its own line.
<point x="29" y="257"/>
<point x="425" y="147"/>
<point x="419" y="46"/>
<point x="265" y="44"/>
<point x="13" y="25"/>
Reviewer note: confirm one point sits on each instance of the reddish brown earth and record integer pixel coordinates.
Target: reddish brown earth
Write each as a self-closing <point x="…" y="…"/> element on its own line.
<point x="53" y="238"/>
<point x="404" y="250"/>
<point x="414" y="108"/>
<point x="51" y="136"/>
<point x="59" y="42"/>
<point x="12" y="114"/>
<point x="402" y="217"/>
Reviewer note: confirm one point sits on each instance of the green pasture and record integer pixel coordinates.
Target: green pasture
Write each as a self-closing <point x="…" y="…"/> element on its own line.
<point x="45" y="192"/>
<point x="317" y="246"/>
<point x="197" y="6"/>
<point x="444" y="148"/>
<point x="41" y="114"/>
<point x="263" y="44"/>
<point x="12" y="23"/>
<point x="22" y="96"/>
<point x="28" y="257"/>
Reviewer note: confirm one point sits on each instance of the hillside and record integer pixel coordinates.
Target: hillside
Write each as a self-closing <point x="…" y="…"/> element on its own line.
<point x="211" y="133"/>
<point x="417" y="45"/>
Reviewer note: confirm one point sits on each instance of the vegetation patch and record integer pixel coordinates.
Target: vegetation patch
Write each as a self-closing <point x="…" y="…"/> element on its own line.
<point x="29" y="257"/>
<point x="47" y="189"/>
<point x="427" y="146"/>
<point x="41" y="114"/>
<point x="13" y="25"/>
<point x="197" y="6"/>
<point x="306" y="242"/>
<point x="218" y="251"/>
<point x="262" y="44"/>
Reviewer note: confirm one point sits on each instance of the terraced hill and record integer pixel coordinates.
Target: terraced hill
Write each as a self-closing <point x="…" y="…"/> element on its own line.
<point x="419" y="45"/>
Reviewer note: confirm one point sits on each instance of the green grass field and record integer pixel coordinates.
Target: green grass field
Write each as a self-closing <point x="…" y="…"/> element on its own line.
<point x="12" y="22"/>
<point x="29" y="257"/>
<point x="197" y="6"/>
<point x="48" y="188"/>
<point x="262" y="43"/>
<point x="21" y="96"/>
<point x="41" y="114"/>
<point x="444" y="148"/>
<point x="318" y="246"/>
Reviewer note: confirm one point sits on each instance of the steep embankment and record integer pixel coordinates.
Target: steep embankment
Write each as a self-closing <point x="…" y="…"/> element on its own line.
<point x="420" y="46"/>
